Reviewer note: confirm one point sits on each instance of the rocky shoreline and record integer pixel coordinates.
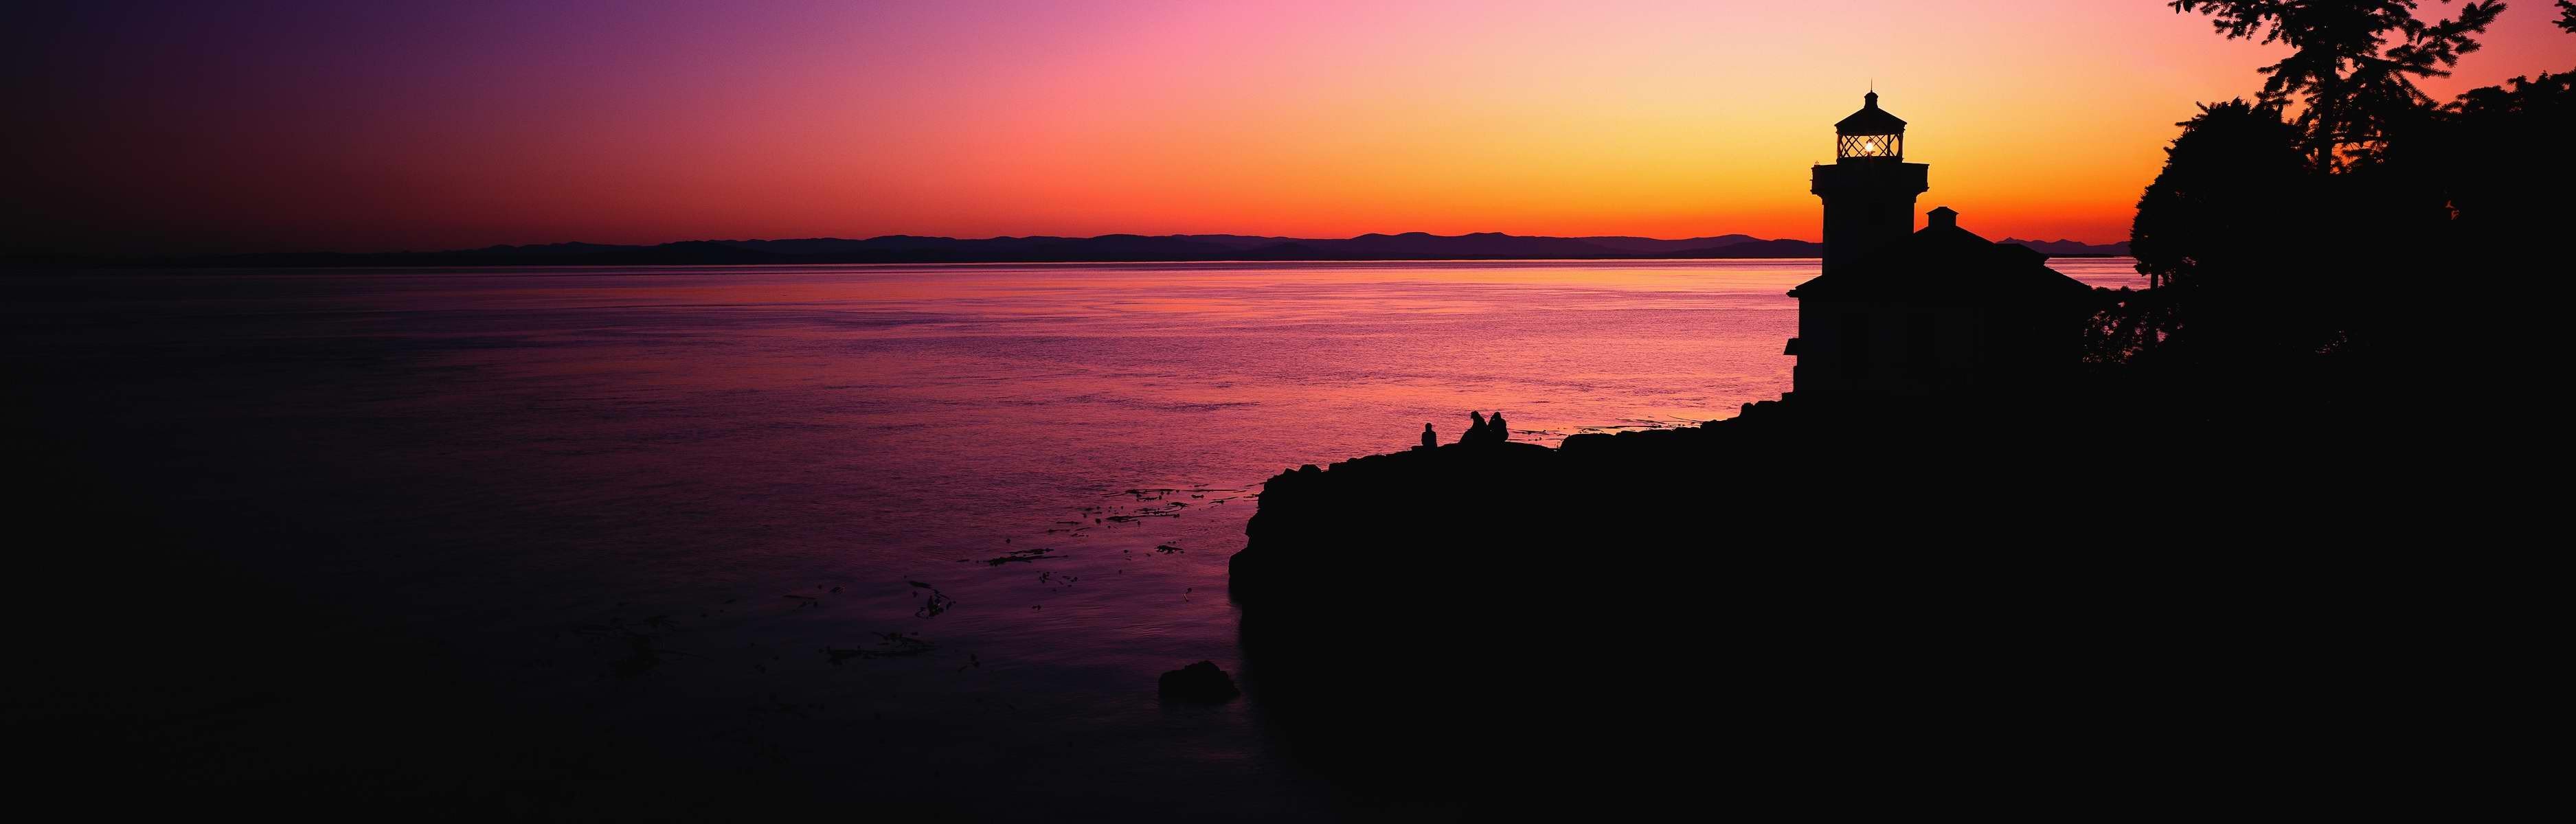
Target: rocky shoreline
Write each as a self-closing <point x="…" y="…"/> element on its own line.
<point x="1801" y="594"/>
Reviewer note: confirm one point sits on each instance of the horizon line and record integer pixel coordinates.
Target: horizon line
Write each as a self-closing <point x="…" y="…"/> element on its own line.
<point x="24" y="253"/>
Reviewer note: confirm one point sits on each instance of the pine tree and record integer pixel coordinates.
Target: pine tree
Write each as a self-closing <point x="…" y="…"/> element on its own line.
<point x="2353" y="64"/>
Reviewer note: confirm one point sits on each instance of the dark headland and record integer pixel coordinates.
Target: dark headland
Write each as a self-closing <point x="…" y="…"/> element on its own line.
<point x="2011" y="544"/>
<point x="1967" y="589"/>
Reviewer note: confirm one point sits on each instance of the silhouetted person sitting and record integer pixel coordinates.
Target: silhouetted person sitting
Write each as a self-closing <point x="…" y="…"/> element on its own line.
<point x="1494" y="431"/>
<point x="1475" y="431"/>
<point x="1429" y="440"/>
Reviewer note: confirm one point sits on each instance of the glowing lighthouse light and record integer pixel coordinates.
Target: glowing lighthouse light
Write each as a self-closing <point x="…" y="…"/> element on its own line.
<point x="1870" y="133"/>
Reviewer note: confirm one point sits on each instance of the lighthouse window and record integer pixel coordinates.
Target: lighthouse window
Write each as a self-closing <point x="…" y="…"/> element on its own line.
<point x="1870" y="145"/>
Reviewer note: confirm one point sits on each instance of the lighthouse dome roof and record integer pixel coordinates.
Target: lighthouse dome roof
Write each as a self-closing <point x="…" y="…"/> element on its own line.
<point x="1870" y="119"/>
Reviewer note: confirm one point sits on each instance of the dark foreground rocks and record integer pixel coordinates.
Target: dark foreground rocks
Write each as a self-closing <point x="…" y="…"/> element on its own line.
<point x="1199" y="683"/>
<point x="1839" y="612"/>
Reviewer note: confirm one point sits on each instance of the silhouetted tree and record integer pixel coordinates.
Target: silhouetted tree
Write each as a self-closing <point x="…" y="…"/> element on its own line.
<point x="2504" y="202"/>
<point x="2307" y="221"/>
<point x="2348" y="77"/>
<point x="2125" y="324"/>
<point x="2218" y="230"/>
<point x="2224" y="182"/>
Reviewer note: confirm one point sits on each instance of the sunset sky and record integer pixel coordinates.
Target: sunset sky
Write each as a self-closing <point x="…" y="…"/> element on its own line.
<point x="368" y="126"/>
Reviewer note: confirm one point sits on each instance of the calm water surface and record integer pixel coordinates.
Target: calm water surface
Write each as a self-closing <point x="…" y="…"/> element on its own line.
<point x="524" y="465"/>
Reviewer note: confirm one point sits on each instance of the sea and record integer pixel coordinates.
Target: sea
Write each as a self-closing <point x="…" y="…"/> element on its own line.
<point x="693" y="542"/>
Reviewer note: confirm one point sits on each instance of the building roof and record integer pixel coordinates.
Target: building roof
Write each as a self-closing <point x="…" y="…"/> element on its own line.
<point x="1870" y="119"/>
<point x="1945" y="265"/>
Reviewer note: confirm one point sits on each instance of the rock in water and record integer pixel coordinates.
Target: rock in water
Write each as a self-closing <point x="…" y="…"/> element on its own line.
<point x="1198" y="682"/>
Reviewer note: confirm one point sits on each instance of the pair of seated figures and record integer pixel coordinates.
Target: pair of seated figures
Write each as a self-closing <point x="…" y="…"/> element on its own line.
<point x="1483" y="430"/>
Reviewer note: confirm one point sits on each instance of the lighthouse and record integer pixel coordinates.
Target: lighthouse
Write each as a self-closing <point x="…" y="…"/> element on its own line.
<point x="1869" y="189"/>
<point x="1942" y="312"/>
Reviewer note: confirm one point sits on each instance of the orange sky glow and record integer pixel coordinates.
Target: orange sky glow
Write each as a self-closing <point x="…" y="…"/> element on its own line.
<point x="328" y="127"/>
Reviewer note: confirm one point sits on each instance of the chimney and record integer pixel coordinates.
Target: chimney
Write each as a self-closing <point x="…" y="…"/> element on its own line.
<point x="1941" y="217"/>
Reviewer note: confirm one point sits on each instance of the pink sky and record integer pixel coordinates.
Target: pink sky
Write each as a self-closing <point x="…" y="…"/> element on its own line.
<point x="371" y="126"/>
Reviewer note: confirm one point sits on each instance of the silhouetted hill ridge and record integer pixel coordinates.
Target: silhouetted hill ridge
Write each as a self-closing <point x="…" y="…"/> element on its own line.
<point x="1120" y="247"/>
<point x="568" y="248"/>
<point x="2062" y="247"/>
<point x="1782" y="248"/>
<point x="1648" y="245"/>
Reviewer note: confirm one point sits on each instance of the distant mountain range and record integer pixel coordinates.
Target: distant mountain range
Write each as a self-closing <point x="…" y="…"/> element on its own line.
<point x="2073" y="248"/>
<point x="1047" y="249"/>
